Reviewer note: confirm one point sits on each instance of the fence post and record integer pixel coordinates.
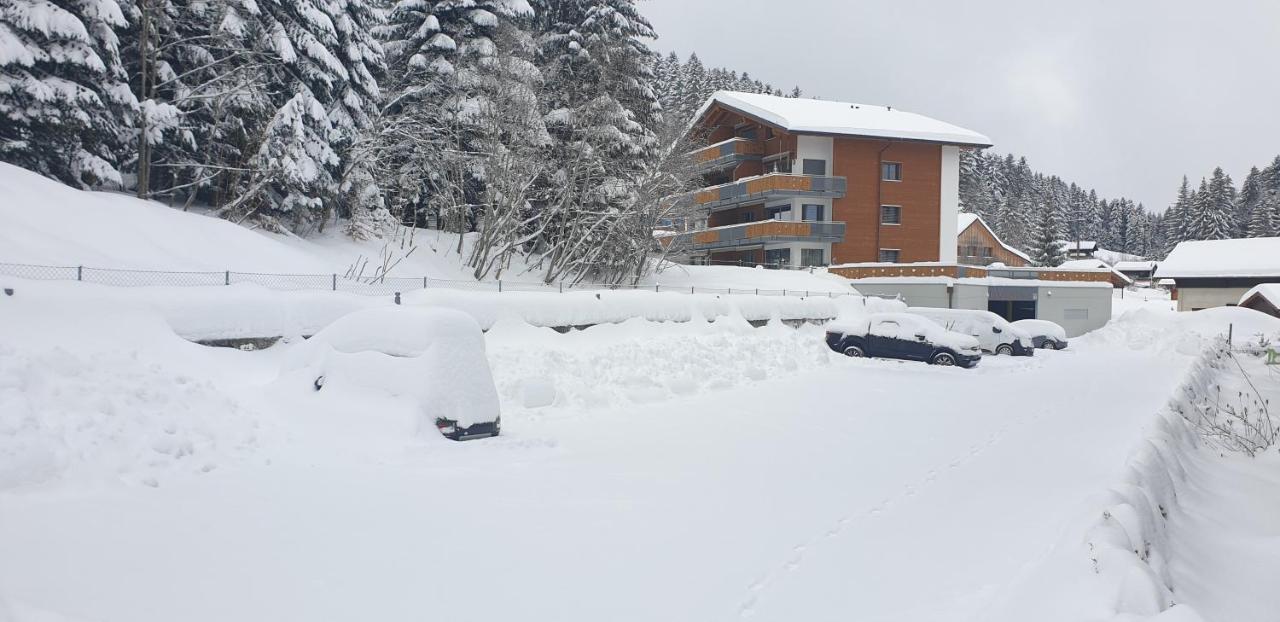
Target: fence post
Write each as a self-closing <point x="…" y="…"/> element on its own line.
<point x="424" y="282"/>
<point x="784" y="291"/>
<point x="397" y="297"/>
<point x="691" y="289"/>
<point x="655" y="288"/>
<point x="561" y="284"/>
<point x="79" y="273"/>
<point x="806" y="293"/>
<point x="1230" y="329"/>
<point x="226" y="277"/>
<point x="335" y="281"/>
<point x="499" y="285"/>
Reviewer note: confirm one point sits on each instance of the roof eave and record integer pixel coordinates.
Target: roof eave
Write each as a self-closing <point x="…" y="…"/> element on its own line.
<point x="713" y="100"/>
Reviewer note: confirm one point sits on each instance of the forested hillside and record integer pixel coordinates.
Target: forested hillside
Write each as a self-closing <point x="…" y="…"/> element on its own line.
<point x="547" y="127"/>
<point x="533" y="122"/>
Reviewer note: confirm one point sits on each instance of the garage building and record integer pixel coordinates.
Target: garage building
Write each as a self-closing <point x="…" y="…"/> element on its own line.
<point x="1078" y="300"/>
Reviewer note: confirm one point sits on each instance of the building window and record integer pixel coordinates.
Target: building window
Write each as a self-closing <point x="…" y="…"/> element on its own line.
<point x="814" y="167"/>
<point x="891" y="171"/>
<point x="986" y="251"/>
<point x="777" y="257"/>
<point x="778" y="164"/>
<point x="890" y="215"/>
<point x="889" y="255"/>
<point x="811" y="257"/>
<point x="781" y="212"/>
<point x="748" y="216"/>
<point x="1075" y="314"/>
<point x="810" y="212"/>
<point x="768" y="133"/>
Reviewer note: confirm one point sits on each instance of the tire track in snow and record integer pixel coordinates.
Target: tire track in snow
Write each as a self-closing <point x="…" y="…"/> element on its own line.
<point x="747" y="607"/>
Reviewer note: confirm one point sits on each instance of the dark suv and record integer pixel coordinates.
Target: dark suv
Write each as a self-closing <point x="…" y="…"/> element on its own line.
<point x="903" y="336"/>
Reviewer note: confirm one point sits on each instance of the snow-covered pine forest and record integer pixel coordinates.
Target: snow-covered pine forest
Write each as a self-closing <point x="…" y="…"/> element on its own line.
<point x="547" y="128"/>
<point x="1029" y="209"/>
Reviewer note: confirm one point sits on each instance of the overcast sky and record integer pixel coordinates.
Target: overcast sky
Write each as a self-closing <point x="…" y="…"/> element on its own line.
<point x="1124" y="96"/>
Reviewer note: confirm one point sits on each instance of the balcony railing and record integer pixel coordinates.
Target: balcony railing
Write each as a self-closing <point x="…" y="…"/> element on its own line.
<point x="725" y="153"/>
<point x="773" y="185"/>
<point x="760" y="232"/>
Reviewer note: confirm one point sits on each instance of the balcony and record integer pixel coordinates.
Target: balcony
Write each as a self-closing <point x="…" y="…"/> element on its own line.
<point x="747" y="234"/>
<point x="726" y="153"/>
<point x="764" y="187"/>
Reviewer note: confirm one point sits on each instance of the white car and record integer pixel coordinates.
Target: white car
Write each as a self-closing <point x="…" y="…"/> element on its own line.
<point x="432" y="356"/>
<point x="1044" y="334"/>
<point x="994" y="333"/>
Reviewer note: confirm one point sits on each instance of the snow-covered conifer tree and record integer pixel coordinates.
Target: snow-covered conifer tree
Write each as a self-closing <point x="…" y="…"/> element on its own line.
<point x="63" y="97"/>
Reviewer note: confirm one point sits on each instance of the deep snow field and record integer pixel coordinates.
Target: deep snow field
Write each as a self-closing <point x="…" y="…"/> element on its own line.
<point x="646" y="471"/>
<point x="655" y="466"/>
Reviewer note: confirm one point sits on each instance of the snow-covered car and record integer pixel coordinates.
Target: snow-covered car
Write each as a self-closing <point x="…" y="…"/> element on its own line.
<point x="435" y="357"/>
<point x="903" y="336"/>
<point x="994" y="333"/>
<point x="1044" y="334"/>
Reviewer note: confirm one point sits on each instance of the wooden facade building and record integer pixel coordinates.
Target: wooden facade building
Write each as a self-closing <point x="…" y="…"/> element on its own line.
<point x="870" y="182"/>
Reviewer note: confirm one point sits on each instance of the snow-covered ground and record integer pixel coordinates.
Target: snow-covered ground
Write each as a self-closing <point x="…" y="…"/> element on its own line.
<point x="675" y="471"/>
<point x="656" y="466"/>
<point x="47" y="223"/>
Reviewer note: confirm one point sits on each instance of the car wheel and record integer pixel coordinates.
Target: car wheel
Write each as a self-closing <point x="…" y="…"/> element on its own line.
<point x="1004" y="349"/>
<point x="1050" y="344"/>
<point x="944" y="359"/>
<point x="854" y="351"/>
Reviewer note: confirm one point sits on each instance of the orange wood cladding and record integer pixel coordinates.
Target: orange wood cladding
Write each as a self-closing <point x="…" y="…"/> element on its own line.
<point x="706" y="237"/>
<point x="866" y="272"/>
<point x="778" y="228"/>
<point x="762" y="184"/>
<point x="779" y="182"/>
<point x="741" y="147"/>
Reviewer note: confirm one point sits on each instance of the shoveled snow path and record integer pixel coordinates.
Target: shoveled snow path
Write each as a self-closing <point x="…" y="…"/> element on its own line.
<point x="872" y="490"/>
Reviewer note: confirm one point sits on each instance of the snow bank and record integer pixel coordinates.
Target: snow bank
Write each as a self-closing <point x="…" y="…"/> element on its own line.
<point x="109" y="394"/>
<point x="1151" y="546"/>
<point x="245" y="310"/>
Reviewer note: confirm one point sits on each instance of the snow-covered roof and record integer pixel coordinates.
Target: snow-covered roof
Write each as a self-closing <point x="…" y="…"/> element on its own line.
<point x="1082" y="245"/>
<point x="815" y="116"/>
<point x="1094" y="264"/>
<point x="1269" y="292"/>
<point x="964" y="219"/>
<point x="1222" y="258"/>
<point x="1135" y="266"/>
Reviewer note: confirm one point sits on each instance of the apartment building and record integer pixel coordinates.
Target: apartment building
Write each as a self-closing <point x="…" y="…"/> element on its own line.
<point x="793" y="182"/>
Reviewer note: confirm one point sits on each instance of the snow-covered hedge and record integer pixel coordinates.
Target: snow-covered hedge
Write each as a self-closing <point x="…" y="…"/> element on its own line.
<point x="1131" y="544"/>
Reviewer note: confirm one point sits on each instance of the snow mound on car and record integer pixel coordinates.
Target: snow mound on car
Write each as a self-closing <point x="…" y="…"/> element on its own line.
<point x="433" y="356"/>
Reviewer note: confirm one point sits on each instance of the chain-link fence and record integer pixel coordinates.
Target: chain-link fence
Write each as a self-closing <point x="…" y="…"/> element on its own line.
<point x="339" y="283"/>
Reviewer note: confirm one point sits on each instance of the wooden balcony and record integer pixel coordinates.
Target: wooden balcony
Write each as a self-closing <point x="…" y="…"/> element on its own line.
<point x="759" y="233"/>
<point x="773" y="185"/>
<point x="727" y="153"/>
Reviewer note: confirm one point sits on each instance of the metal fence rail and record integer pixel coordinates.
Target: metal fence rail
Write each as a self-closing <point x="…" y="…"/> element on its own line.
<point x="339" y="283"/>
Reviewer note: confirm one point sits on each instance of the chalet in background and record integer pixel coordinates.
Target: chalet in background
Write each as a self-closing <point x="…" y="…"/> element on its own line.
<point x="978" y="245"/>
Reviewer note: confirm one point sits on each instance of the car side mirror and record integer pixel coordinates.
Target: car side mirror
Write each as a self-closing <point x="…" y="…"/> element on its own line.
<point x="919" y="337"/>
<point x="996" y="329"/>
